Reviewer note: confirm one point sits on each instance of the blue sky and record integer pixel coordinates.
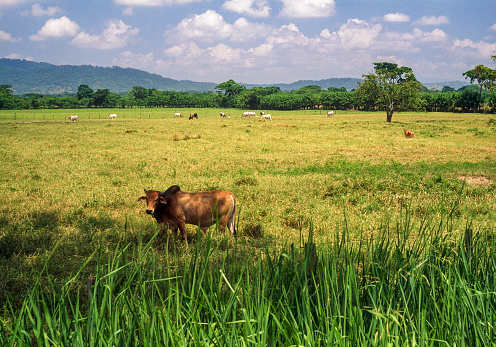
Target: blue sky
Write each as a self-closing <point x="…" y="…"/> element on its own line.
<point x="254" y="41"/>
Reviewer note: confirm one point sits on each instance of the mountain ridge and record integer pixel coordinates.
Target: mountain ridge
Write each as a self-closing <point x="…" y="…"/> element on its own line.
<point x="44" y="78"/>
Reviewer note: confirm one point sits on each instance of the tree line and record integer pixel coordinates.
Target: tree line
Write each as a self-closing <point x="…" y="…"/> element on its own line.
<point x="389" y="88"/>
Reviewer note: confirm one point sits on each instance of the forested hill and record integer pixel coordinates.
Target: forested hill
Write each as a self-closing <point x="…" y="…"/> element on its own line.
<point x="43" y="78"/>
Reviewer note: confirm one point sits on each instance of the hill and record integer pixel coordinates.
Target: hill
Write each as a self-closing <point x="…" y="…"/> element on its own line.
<point x="43" y="78"/>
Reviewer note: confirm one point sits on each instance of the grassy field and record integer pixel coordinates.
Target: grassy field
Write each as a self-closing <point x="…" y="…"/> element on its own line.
<point x="69" y="209"/>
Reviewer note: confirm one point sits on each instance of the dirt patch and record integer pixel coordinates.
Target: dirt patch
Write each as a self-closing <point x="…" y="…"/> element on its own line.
<point x="476" y="181"/>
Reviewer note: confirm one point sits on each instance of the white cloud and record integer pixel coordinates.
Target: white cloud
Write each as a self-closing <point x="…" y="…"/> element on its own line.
<point x="358" y="34"/>
<point x="222" y="52"/>
<point x="117" y="34"/>
<point x="308" y="8"/>
<point x="7" y="37"/>
<point x="467" y="47"/>
<point x="417" y="35"/>
<point x="189" y="49"/>
<point x="253" y="8"/>
<point x="12" y="3"/>
<point x="210" y="26"/>
<point x="493" y="27"/>
<point x="432" y="20"/>
<point x="38" y="11"/>
<point x="153" y="2"/>
<point x="56" y="28"/>
<point x="18" y="56"/>
<point x="128" y="11"/>
<point x="396" y="18"/>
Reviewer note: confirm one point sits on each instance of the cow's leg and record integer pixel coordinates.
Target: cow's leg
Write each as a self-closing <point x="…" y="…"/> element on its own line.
<point x="182" y="228"/>
<point x="174" y="233"/>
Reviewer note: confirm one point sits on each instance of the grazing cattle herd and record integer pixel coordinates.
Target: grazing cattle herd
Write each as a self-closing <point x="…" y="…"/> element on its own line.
<point x="174" y="209"/>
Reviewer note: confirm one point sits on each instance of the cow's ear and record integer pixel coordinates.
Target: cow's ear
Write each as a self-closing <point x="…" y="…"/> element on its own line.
<point x="142" y="198"/>
<point x="162" y="200"/>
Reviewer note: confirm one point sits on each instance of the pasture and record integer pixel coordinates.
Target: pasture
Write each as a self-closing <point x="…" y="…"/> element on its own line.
<point x="69" y="190"/>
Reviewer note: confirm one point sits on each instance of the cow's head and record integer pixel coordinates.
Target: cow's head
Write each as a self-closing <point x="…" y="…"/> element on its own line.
<point x="153" y="200"/>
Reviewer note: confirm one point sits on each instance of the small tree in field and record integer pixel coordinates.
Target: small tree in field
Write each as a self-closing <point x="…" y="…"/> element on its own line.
<point x="393" y="88"/>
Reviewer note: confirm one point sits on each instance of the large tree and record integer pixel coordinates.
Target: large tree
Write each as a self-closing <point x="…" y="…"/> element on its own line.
<point x="393" y="88"/>
<point x="231" y="90"/>
<point x="484" y="76"/>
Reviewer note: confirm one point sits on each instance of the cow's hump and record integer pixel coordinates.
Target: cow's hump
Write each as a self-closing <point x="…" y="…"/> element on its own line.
<point x="169" y="193"/>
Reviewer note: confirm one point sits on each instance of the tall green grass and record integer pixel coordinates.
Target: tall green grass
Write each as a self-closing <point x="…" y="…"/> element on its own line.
<point x="413" y="283"/>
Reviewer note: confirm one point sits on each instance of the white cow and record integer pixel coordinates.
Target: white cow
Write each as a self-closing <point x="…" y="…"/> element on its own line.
<point x="266" y="116"/>
<point x="73" y="118"/>
<point x="177" y="114"/>
<point x="112" y="116"/>
<point x="248" y="114"/>
<point x="330" y="114"/>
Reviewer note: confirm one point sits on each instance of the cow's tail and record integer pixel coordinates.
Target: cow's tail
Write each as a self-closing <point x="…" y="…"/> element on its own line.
<point x="231" y="223"/>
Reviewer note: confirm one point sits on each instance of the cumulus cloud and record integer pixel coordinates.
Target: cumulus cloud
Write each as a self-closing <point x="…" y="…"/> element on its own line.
<point x="211" y="26"/>
<point x="396" y="18"/>
<point x="493" y="27"/>
<point x="417" y="35"/>
<point x="355" y="33"/>
<point x="432" y="20"/>
<point x="55" y="29"/>
<point x="467" y="47"/>
<point x="153" y="2"/>
<point x="7" y="37"/>
<point x="308" y="8"/>
<point x="116" y="35"/>
<point x="253" y="8"/>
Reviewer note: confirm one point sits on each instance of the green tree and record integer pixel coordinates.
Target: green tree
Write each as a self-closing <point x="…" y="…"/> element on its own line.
<point x="100" y="98"/>
<point x="139" y="93"/>
<point x="309" y="89"/>
<point x="84" y="92"/>
<point x="484" y="76"/>
<point x="230" y="89"/>
<point x="392" y="88"/>
<point x="7" y="99"/>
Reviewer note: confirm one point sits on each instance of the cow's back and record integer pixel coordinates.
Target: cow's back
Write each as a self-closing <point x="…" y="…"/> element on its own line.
<point x="203" y="208"/>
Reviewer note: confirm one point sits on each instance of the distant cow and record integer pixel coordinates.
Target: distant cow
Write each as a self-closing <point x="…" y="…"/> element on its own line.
<point x="112" y="116"/>
<point x="177" y="114"/>
<point x="330" y="114"/>
<point x="73" y="118"/>
<point x="193" y="115"/>
<point x="174" y="209"/>
<point x="248" y="114"/>
<point x="222" y="114"/>
<point x="408" y="133"/>
<point x="266" y="116"/>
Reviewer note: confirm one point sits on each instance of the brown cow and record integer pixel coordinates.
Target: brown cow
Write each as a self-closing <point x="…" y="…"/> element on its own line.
<point x="175" y="208"/>
<point x="408" y="133"/>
